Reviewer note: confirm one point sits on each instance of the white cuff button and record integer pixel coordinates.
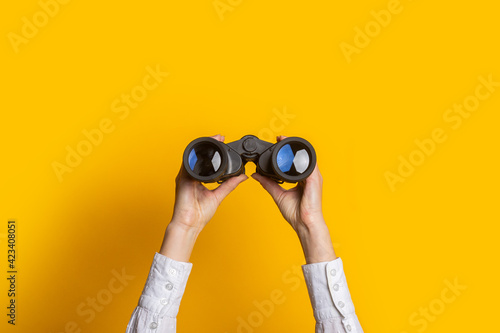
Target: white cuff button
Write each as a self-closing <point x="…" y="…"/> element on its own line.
<point x="341" y="304"/>
<point x="172" y="272"/>
<point x="336" y="287"/>
<point x="164" y="301"/>
<point x="169" y="286"/>
<point x="333" y="272"/>
<point x="348" y="328"/>
<point x="153" y="325"/>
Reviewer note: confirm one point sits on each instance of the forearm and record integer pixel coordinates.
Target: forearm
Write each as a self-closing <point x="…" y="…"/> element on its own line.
<point x="178" y="242"/>
<point x="316" y="243"/>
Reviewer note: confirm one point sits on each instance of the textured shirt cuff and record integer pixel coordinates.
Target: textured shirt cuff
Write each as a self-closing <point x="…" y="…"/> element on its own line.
<point x="329" y="294"/>
<point x="165" y="286"/>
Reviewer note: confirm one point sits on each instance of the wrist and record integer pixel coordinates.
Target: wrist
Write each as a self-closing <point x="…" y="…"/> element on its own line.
<point x="316" y="243"/>
<point x="179" y="241"/>
<point x="313" y="220"/>
<point x="181" y="225"/>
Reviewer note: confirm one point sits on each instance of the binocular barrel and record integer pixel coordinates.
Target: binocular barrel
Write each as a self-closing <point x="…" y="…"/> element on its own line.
<point x="209" y="160"/>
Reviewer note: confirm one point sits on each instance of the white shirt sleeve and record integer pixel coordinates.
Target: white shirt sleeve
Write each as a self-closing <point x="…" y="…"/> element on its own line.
<point x="330" y="298"/>
<point x="159" y="303"/>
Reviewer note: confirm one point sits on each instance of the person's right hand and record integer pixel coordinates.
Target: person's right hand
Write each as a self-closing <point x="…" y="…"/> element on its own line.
<point x="301" y="207"/>
<point x="194" y="204"/>
<point x="194" y="207"/>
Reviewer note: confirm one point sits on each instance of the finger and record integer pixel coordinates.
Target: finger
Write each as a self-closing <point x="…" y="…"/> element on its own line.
<point x="184" y="179"/>
<point x="315" y="177"/>
<point x="269" y="185"/>
<point x="219" y="137"/>
<point x="182" y="173"/>
<point x="313" y="186"/>
<point x="228" y="186"/>
<point x="280" y="137"/>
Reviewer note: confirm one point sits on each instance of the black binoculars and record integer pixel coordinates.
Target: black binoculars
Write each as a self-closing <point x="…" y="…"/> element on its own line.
<point x="209" y="160"/>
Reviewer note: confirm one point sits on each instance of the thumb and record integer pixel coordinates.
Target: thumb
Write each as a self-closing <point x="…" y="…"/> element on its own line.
<point x="228" y="186"/>
<point x="269" y="185"/>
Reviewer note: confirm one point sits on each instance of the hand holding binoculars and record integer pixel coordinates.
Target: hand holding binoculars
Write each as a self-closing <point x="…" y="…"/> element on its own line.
<point x="208" y="160"/>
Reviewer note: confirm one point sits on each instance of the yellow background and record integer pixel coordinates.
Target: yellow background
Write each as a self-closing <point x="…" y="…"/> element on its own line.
<point x="230" y="76"/>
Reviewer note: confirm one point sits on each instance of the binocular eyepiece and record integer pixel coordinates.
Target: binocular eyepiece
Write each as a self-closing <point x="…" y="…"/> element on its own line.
<point x="209" y="160"/>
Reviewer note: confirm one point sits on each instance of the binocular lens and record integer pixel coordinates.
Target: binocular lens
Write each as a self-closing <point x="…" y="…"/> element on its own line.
<point x="205" y="159"/>
<point x="293" y="159"/>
